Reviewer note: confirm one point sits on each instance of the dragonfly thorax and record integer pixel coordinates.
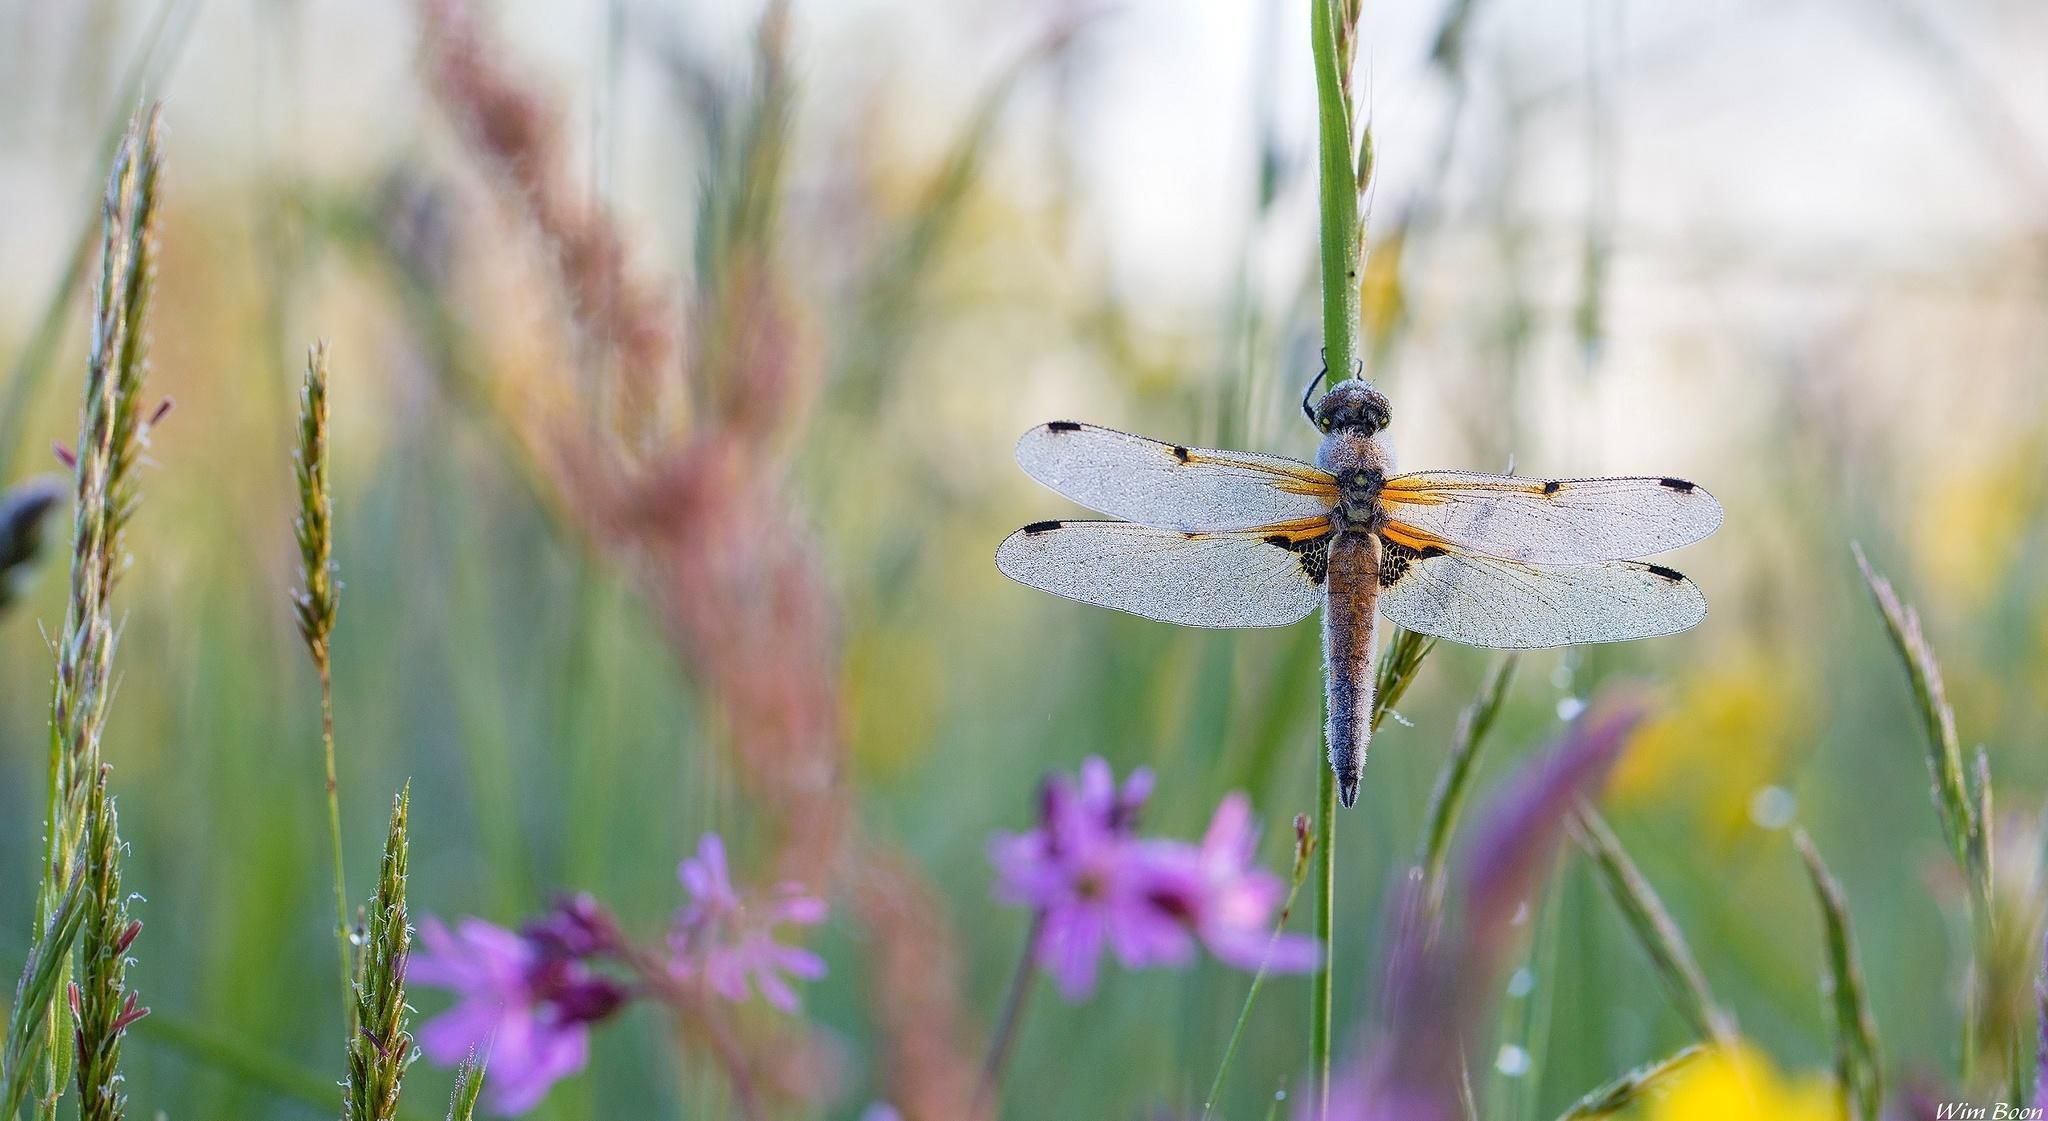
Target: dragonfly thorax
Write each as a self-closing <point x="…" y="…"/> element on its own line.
<point x="1360" y="464"/>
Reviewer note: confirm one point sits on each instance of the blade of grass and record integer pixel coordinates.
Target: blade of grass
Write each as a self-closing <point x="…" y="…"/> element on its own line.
<point x="102" y="1004"/>
<point x="162" y="43"/>
<point x="1629" y="1087"/>
<point x="49" y="959"/>
<point x="1856" y="1055"/>
<point x="381" y="1047"/>
<point x="1964" y="813"/>
<point x="1654" y="928"/>
<point x="236" y="1059"/>
<point x="1397" y="671"/>
<point x="1303" y="843"/>
<point x="1956" y="803"/>
<point x="315" y="605"/>
<point x="1454" y="780"/>
<point x="469" y="1082"/>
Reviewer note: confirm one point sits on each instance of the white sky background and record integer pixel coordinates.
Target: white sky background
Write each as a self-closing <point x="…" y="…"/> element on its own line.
<point x="1818" y="124"/>
<point x="1810" y="145"/>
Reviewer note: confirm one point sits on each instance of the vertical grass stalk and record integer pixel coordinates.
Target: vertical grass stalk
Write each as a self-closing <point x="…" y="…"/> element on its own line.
<point x="102" y="1006"/>
<point x="1455" y="779"/>
<point x="1333" y="28"/>
<point x="1302" y="844"/>
<point x="112" y="429"/>
<point x="1654" y="928"/>
<point x="469" y="1082"/>
<point x="1964" y="809"/>
<point x="314" y="604"/>
<point x="380" y="1048"/>
<point x="1857" y="1066"/>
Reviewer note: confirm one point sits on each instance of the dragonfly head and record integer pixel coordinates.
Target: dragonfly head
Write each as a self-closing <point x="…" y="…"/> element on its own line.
<point x="1353" y="404"/>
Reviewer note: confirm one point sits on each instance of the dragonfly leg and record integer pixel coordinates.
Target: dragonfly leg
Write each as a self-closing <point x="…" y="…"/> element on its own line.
<point x="1309" y="391"/>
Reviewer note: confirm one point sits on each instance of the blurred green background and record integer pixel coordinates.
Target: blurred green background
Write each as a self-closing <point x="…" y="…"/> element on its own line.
<point x="1796" y="252"/>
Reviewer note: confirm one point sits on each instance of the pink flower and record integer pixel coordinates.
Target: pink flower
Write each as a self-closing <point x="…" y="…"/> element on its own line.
<point x="528" y="1009"/>
<point x="727" y="940"/>
<point x="1229" y="900"/>
<point x="1097" y="886"/>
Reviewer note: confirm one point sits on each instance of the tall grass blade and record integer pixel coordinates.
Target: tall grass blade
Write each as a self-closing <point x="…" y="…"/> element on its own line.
<point x="103" y="1005"/>
<point x="1625" y="1090"/>
<point x="1397" y="670"/>
<point x="161" y="45"/>
<point x="1957" y="804"/>
<point x="1654" y="928"/>
<point x="112" y="430"/>
<point x="1303" y="846"/>
<point x="1454" y="780"/>
<point x="382" y="1047"/>
<point x="469" y="1082"/>
<point x="1856" y="1055"/>
<point x="35" y="996"/>
<point x="315" y="605"/>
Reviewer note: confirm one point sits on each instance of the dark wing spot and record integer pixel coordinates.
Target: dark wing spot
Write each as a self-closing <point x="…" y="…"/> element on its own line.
<point x="1314" y="553"/>
<point x="1180" y="453"/>
<point x="1062" y="426"/>
<point x="1394" y="558"/>
<point x="1552" y="487"/>
<point x="1679" y="485"/>
<point x="1670" y="574"/>
<point x="1036" y="528"/>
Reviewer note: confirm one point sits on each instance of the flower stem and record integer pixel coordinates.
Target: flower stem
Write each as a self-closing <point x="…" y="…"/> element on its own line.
<point x="1244" y="1014"/>
<point x="1000" y="1045"/>
<point x="1323" y="997"/>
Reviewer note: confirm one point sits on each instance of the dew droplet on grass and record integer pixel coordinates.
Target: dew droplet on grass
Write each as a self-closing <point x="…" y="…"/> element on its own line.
<point x="1513" y="1061"/>
<point x="1773" y="807"/>
<point x="1522" y="983"/>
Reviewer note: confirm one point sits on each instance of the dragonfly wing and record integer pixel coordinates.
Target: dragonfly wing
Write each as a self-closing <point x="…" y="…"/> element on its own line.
<point x="1551" y="521"/>
<point x="1196" y="580"/>
<point x="1484" y="601"/>
<point x="1172" y="486"/>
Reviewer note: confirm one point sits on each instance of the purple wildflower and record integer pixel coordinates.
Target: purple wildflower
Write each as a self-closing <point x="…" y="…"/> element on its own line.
<point x="725" y="939"/>
<point x="528" y="1008"/>
<point x="1096" y="885"/>
<point x="1093" y="884"/>
<point x="1229" y="900"/>
<point x="577" y="926"/>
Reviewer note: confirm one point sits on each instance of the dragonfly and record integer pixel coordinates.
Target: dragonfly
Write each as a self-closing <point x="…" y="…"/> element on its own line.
<point x="1209" y="538"/>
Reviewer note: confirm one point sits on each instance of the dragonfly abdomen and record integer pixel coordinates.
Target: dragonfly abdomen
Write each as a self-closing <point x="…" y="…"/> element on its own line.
<point x="1350" y="605"/>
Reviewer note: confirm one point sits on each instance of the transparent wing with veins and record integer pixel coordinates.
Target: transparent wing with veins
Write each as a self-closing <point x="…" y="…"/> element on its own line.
<point x="1194" y="579"/>
<point x="1484" y="601"/>
<point x="1172" y="486"/>
<point x="1550" y="521"/>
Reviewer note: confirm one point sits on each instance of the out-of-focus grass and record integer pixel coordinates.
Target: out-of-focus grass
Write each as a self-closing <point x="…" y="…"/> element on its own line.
<point x="553" y="741"/>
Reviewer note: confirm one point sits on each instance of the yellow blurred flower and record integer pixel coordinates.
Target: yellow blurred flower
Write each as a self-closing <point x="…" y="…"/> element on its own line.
<point x="1739" y="1084"/>
<point x="1723" y="739"/>
<point x="1989" y="504"/>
